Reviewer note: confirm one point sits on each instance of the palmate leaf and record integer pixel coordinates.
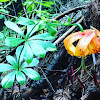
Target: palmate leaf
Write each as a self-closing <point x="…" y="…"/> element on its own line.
<point x="34" y="62"/>
<point x="12" y="61"/>
<point x="20" y="77"/>
<point x="14" y="27"/>
<point x="8" y="80"/>
<point x="13" y="42"/>
<point x="32" y="74"/>
<point x="44" y="36"/>
<point x="38" y="50"/>
<point x="6" y="67"/>
<point x="27" y="53"/>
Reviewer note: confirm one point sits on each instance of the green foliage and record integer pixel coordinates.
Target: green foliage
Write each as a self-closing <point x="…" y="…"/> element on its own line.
<point x="32" y="40"/>
<point x="19" y="70"/>
<point x="13" y="42"/>
<point x="28" y="47"/>
<point x="31" y="43"/>
<point x="14" y="27"/>
<point x="8" y="80"/>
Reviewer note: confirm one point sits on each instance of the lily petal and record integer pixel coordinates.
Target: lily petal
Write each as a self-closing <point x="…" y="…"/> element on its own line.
<point x="69" y="40"/>
<point x="82" y="46"/>
<point x="94" y="46"/>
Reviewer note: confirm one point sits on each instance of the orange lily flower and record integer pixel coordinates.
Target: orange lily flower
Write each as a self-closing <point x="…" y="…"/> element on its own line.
<point x="89" y="42"/>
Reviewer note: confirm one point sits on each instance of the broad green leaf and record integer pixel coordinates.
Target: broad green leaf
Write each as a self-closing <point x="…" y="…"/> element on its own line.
<point x="12" y="61"/>
<point x="6" y="67"/>
<point x="25" y="21"/>
<point x="44" y="36"/>
<point x="34" y="62"/>
<point x="13" y="42"/>
<point x="52" y="31"/>
<point x="38" y="50"/>
<point x="19" y="54"/>
<point x="14" y="27"/>
<point x="27" y="53"/>
<point x="46" y="45"/>
<point x="20" y="77"/>
<point x="8" y="80"/>
<point x="32" y="74"/>
<point x="31" y="29"/>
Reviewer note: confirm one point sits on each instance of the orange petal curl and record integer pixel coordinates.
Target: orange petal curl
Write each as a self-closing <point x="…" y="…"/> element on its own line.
<point x="69" y="40"/>
<point x="83" y="48"/>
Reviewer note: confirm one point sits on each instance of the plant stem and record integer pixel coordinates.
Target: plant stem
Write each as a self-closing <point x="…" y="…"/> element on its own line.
<point x="84" y="67"/>
<point x="79" y="25"/>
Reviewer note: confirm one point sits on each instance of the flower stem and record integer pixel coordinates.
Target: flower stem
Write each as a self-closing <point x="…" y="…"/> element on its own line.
<point x="84" y="67"/>
<point x="79" y="25"/>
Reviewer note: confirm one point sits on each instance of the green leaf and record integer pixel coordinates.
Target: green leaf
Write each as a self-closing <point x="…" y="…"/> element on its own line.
<point x="46" y="45"/>
<point x="34" y="62"/>
<point x="8" y="80"/>
<point x="6" y="67"/>
<point x="27" y="53"/>
<point x="25" y="21"/>
<point x="44" y="36"/>
<point x="18" y="52"/>
<point x="52" y="31"/>
<point x="32" y="74"/>
<point x="14" y="27"/>
<point x="13" y="42"/>
<point x="12" y="61"/>
<point x="20" y="77"/>
<point x="38" y="50"/>
<point x="31" y="29"/>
